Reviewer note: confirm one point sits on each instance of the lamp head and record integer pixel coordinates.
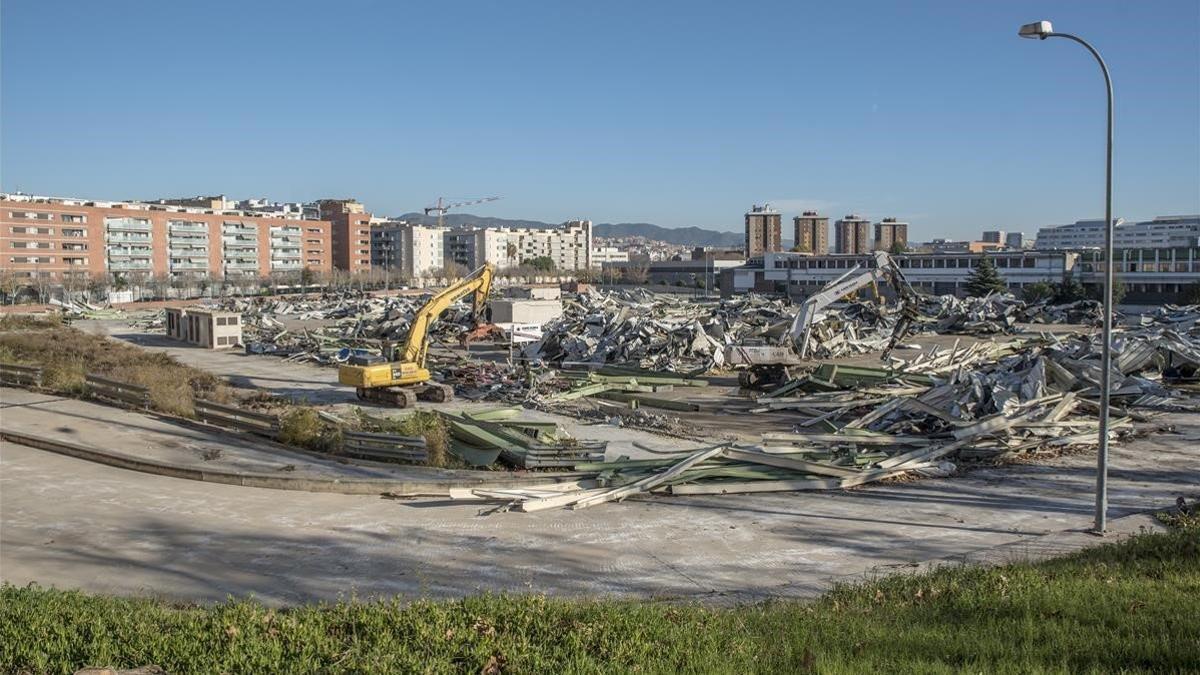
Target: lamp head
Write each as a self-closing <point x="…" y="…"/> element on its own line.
<point x="1039" y="30"/>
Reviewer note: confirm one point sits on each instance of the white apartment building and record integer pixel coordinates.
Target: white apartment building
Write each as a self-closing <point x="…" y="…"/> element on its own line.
<point x="473" y="246"/>
<point x="412" y="250"/>
<point x="608" y="254"/>
<point x="568" y="245"/>
<point x="1162" y="232"/>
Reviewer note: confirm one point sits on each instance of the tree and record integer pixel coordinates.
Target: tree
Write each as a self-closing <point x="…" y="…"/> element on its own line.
<point x="542" y="263"/>
<point x="635" y="273"/>
<point x="1070" y="290"/>
<point x="1119" y="291"/>
<point x="1038" y="291"/>
<point x="897" y="248"/>
<point x="984" y="279"/>
<point x="307" y="276"/>
<point x="1191" y="294"/>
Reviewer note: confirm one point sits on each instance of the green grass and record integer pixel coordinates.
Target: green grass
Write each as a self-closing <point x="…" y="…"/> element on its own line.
<point x="1132" y="606"/>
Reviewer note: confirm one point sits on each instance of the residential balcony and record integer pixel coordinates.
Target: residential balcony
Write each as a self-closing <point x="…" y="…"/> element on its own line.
<point x="128" y="265"/>
<point x="188" y="236"/>
<point x="285" y="265"/>
<point x="240" y="264"/>
<point x="239" y="229"/>
<point x="183" y="228"/>
<point x="139" y="252"/>
<point x="284" y="241"/>
<point x="240" y="245"/>
<point x="278" y="255"/>
<point x="189" y="265"/>
<point x="127" y="224"/>
<point x="134" y="238"/>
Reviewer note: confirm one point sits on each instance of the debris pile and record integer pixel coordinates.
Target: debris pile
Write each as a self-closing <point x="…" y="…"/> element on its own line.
<point x="855" y="425"/>
<point x="353" y="321"/>
<point x="656" y="331"/>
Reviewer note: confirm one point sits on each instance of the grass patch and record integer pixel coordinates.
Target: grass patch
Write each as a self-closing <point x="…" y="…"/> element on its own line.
<point x="67" y="353"/>
<point x="29" y="321"/>
<point x="1130" y="607"/>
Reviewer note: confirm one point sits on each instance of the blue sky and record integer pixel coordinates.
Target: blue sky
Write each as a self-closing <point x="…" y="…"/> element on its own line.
<point x="677" y="113"/>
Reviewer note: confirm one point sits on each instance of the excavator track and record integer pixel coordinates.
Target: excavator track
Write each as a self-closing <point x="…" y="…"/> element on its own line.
<point x="395" y="396"/>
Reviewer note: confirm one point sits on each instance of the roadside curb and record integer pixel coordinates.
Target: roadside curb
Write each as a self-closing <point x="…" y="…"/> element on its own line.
<point x="349" y="486"/>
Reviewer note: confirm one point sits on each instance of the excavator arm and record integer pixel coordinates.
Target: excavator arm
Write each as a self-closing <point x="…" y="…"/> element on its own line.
<point x="478" y="284"/>
<point x="405" y="379"/>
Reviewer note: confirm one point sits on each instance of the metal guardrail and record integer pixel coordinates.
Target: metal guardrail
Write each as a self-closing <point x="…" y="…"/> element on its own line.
<point x="384" y="446"/>
<point x="114" y="390"/>
<point x="26" y="376"/>
<point x="229" y="416"/>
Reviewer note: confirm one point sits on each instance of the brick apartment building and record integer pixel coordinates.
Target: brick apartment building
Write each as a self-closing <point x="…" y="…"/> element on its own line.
<point x="763" y="230"/>
<point x="350" y="232"/>
<point x="52" y="237"/>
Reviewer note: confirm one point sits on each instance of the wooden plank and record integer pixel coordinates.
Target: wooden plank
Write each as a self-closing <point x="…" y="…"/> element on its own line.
<point x="872" y="439"/>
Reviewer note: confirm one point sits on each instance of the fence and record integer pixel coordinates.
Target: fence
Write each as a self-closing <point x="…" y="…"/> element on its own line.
<point x="229" y="416"/>
<point x="384" y="446"/>
<point x="120" y="392"/>
<point x="26" y="376"/>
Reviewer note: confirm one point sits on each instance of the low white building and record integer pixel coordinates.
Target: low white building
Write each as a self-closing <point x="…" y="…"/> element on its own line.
<point x="937" y="273"/>
<point x="1162" y="232"/>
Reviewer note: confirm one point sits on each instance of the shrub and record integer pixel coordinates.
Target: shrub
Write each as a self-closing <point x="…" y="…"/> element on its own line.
<point x="301" y="426"/>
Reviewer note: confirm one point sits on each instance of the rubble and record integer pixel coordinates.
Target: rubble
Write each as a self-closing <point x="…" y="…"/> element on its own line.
<point x="854" y="425"/>
<point x="355" y="321"/>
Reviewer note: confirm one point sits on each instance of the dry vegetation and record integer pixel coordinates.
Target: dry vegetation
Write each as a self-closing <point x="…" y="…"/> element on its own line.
<point x="66" y="354"/>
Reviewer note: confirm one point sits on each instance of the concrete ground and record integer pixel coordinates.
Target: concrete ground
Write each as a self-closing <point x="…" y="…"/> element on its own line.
<point x="73" y="524"/>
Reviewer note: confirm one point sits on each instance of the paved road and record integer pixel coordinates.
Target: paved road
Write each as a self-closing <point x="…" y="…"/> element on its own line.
<point x="70" y="523"/>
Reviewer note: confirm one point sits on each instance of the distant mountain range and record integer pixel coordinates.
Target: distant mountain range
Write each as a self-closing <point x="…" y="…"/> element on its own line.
<point x="681" y="236"/>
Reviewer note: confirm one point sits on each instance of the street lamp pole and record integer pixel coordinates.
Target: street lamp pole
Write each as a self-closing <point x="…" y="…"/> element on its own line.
<point x="1042" y="30"/>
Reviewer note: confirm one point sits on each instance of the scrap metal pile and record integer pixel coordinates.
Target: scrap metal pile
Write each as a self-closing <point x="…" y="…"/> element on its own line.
<point x="356" y="321"/>
<point x="854" y="425"/>
<point x="654" y="331"/>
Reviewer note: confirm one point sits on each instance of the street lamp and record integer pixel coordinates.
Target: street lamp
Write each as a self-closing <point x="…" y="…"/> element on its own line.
<point x="1041" y="30"/>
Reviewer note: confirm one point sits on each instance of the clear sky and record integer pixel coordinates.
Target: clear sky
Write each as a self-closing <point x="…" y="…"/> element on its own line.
<point x="677" y="113"/>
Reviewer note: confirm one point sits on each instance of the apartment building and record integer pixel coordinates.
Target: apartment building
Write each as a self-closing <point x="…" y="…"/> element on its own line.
<point x="350" y="232"/>
<point x="1014" y="240"/>
<point x="811" y="233"/>
<point x="608" y="254"/>
<point x="412" y="250"/>
<point x="994" y="236"/>
<point x="852" y="235"/>
<point x="938" y="273"/>
<point x="890" y="233"/>
<point x="52" y="237"/>
<point x="763" y="230"/>
<point x="569" y="245"/>
<point x="474" y="246"/>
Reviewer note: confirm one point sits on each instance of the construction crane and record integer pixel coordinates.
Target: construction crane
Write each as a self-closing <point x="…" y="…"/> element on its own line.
<point x="402" y="378"/>
<point x="442" y="207"/>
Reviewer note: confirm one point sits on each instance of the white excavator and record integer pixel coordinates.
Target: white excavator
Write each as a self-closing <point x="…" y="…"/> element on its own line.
<point x="769" y="364"/>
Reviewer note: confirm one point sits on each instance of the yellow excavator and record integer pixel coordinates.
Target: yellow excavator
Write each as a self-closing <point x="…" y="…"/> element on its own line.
<point x="402" y="378"/>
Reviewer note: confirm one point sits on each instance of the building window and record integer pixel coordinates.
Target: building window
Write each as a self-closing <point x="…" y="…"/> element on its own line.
<point x="31" y="215"/>
<point x="71" y="218"/>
